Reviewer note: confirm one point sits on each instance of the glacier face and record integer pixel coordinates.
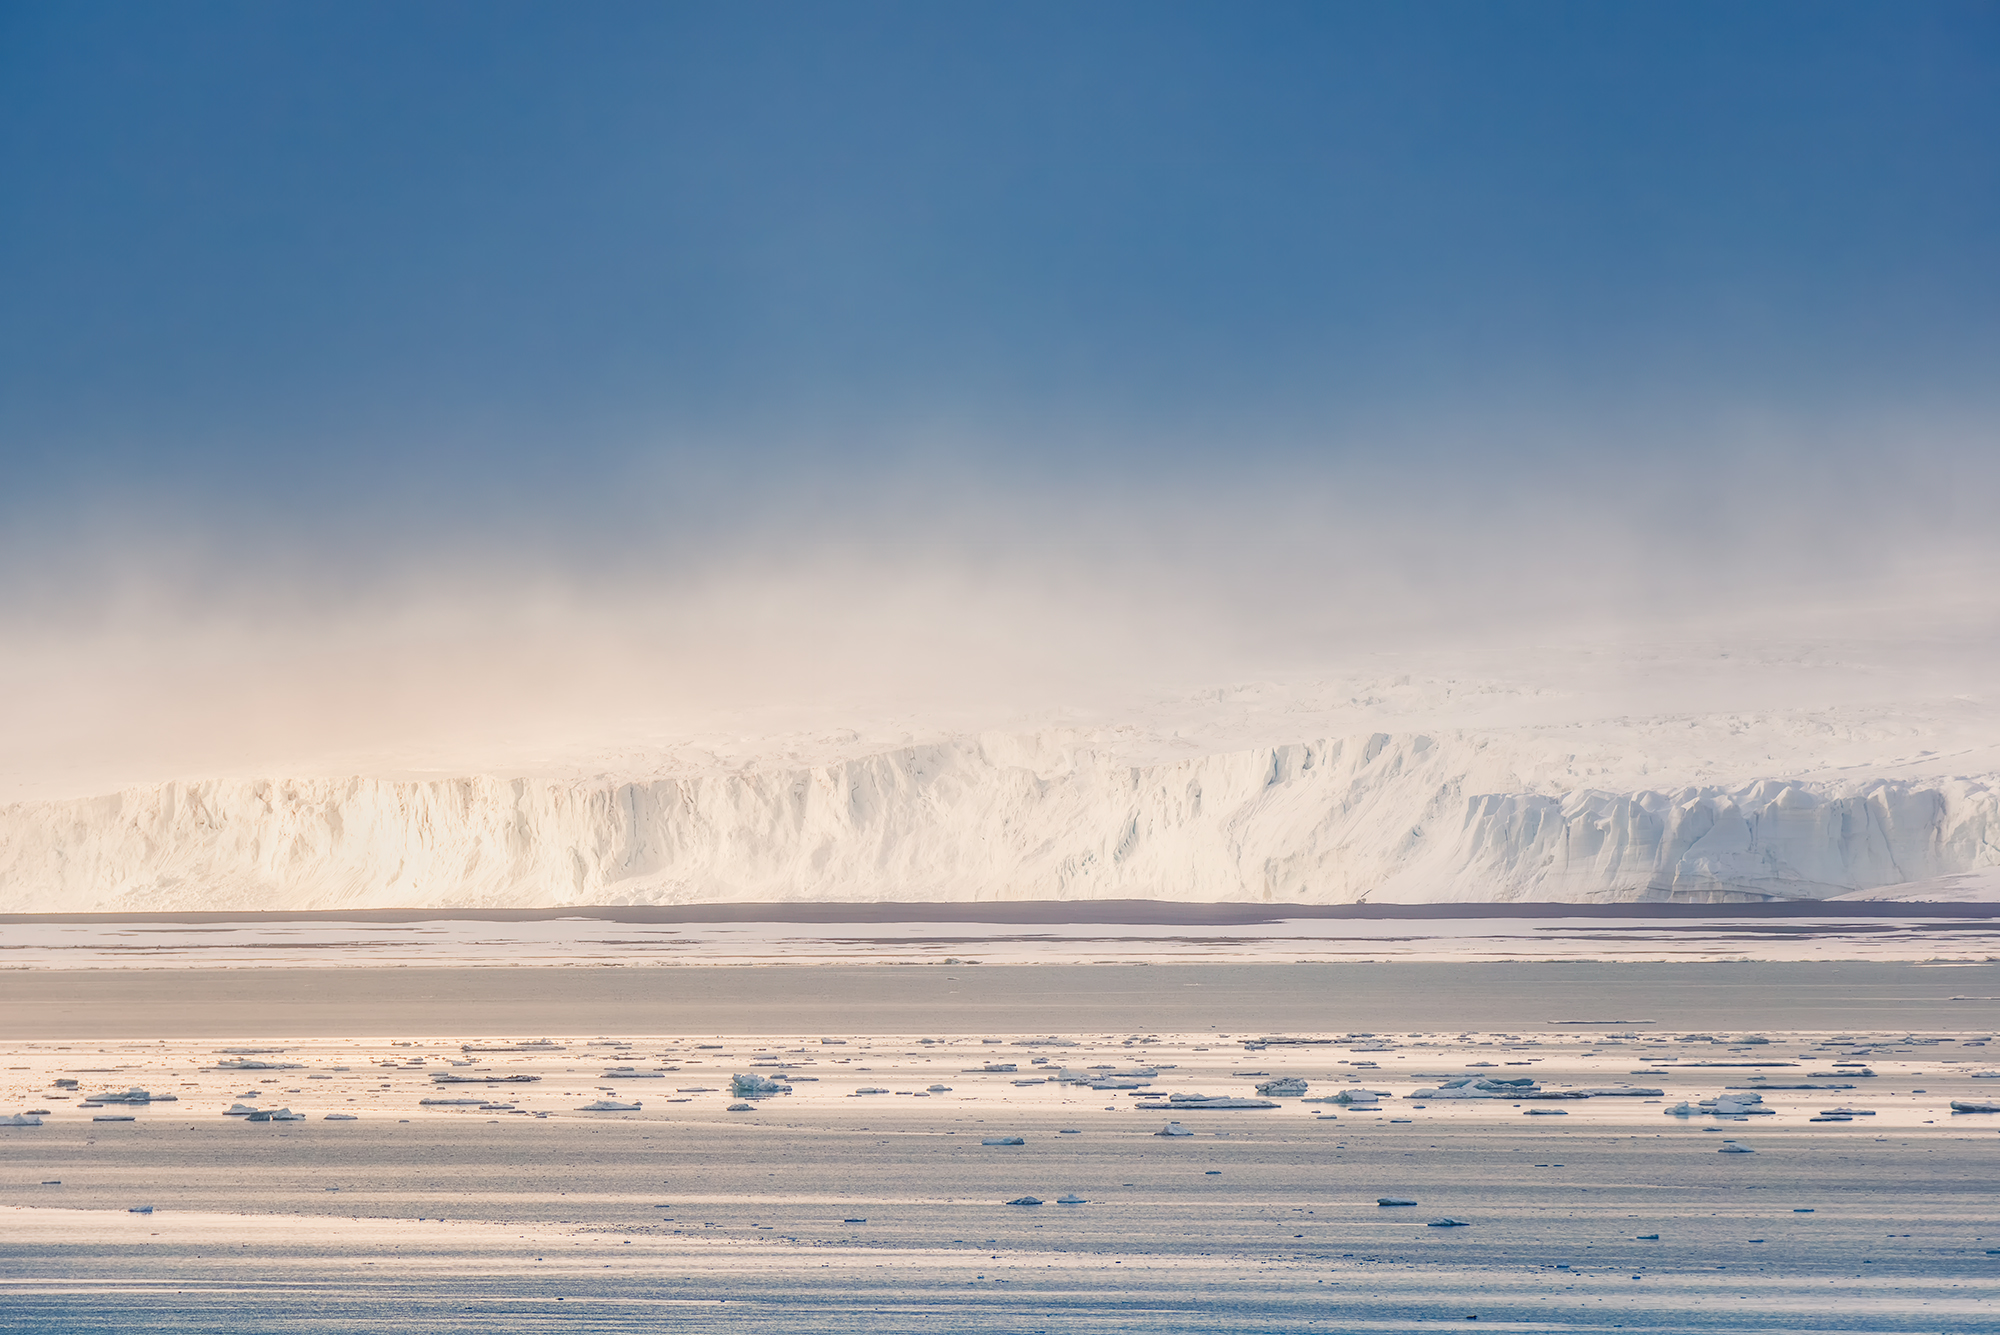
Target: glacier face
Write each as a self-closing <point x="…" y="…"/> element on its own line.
<point x="1410" y="816"/>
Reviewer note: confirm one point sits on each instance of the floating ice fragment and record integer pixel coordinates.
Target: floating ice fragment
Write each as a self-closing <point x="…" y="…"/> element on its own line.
<point x="756" y="1086"/>
<point x="21" y="1119"/>
<point x="1070" y="1199"/>
<point x="1173" y="1129"/>
<point x="611" y="1105"/>
<point x="1393" y="1200"/>
<point x="1449" y="1222"/>
<point x="1003" y="1140"/>
<point x="1025" y="1200"/>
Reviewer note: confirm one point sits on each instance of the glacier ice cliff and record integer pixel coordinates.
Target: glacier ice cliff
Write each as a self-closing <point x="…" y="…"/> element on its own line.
<point x="1383" y="817"/>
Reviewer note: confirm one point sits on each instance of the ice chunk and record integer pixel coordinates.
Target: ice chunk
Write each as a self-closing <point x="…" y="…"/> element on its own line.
<point x="1287" y="1088"/>
<point x="1025" y="1200"/>
<point x="1393" y="1200"/>
<point x="756" y="1086"/>
<point x="447" y="1078"/>
<point x="1003" y="1140"/>
<point x="1173" y="1129"/>
<point x="21" y="1119"/>
<point x="1449" y="1222"/>
<point x="611" y="1105"/>
<point x="1070" y="1199"/>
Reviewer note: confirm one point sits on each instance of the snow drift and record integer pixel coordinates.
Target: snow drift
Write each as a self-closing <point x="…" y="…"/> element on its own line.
<point x="1382" y="816"/>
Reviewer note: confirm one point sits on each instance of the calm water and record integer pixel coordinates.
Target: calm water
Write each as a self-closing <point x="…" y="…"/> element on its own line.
<point x="687" y="1217"/>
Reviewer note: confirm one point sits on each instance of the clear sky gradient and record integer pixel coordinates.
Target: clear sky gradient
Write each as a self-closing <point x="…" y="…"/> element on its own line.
<point x="248" y="248"/>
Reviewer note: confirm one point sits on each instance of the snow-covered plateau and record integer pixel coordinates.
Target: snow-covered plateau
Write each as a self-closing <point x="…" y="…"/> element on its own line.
<point x="1637" y="774"/>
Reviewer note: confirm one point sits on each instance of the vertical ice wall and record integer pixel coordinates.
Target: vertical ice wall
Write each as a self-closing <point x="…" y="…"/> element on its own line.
<point x="1380" y="817"/>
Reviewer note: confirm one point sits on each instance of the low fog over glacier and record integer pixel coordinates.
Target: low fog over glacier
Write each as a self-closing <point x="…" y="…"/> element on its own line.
<point x="1690" y="772"/>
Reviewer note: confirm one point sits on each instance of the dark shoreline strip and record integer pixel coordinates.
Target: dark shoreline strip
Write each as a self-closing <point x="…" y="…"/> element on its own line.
<point x="1109" y="911"/>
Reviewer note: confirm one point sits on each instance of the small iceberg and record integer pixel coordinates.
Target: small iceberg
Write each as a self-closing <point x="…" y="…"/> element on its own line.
<point x="1173" y="1129"/>
<point x="134" y="1095"/>
<point x="1480" y="1087"/>
<point x="1393" y="1200"/>
<point x="447" y="1078"/>
<point x="1025" y="1200"/>
<point x="1003" y="1140"/>
<point x="1071" y="1199"/>
<point x="21" y="1119"/>
<point x="116" y="1117"/>
<point x="1544" y="1112"/>
<point x="1967" y="1106"/>
<point x="756" y="1086"/>
<point x="1449" y="1222"/>
<point x="609" y="1105"/>
<point x="140" y="1209"/>
<point x="341" y="1117"/>
<point x="1734" y="1148"/>
<point x="741" y="1107"/>
<point x="938" y="1089"/>
<point x="239" y="1110"/>
<point x="1287" y="1088"/>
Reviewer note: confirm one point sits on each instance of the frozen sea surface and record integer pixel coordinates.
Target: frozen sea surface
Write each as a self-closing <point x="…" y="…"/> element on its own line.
<point x="1018" y="932"/>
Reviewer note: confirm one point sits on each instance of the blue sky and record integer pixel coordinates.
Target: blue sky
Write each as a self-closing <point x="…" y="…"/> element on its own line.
<point x="343" y="258"/>
<point x="369" y="370"/>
